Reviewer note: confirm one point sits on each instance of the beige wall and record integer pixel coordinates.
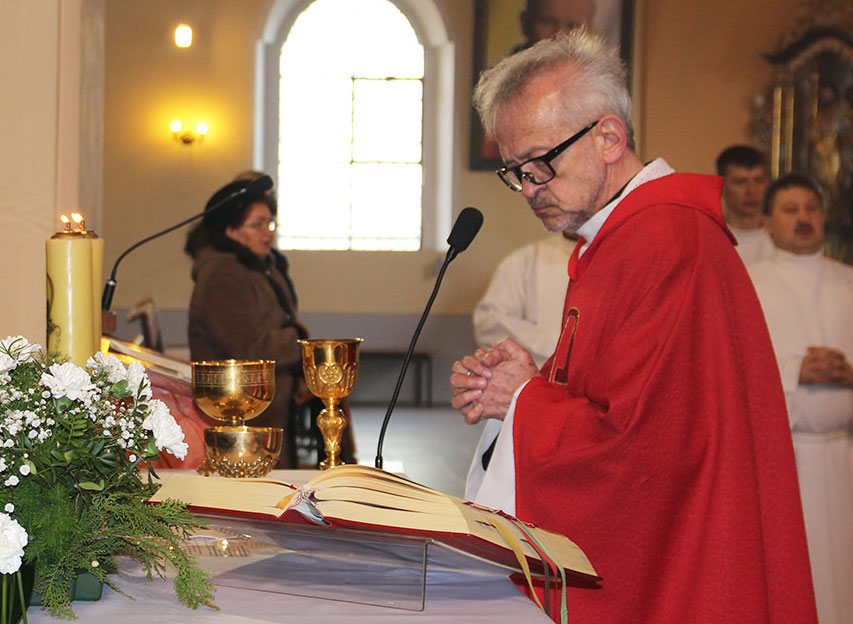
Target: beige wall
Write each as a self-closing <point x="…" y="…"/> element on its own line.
<point x="700" y="68"/>
<point x="29" y="39"/>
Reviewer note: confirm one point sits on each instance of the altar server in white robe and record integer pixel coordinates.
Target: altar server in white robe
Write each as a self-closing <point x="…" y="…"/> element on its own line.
<point x="808" y="302"/>
<point x="525" y="298"/>
<point x="745" y="180"/>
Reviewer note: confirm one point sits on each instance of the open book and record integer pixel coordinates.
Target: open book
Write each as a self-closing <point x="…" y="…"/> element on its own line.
<point x="368" y="499"/>
<point x="170" y="366"/>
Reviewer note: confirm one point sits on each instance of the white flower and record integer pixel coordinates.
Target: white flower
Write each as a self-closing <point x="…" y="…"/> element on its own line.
<point x="14" y="350"/>
<point x="13" y="538"/>
<point x="137" y="381"/>
<point x="24" y="469"/>
<point x="167" y="432"/>
<point x="9" y="507"/>
<point x="68" y="380"/>
<point x="115" y="370"/>
<point x="11" y="481"/>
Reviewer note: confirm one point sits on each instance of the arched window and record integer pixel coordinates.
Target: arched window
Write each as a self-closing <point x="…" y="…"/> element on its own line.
<point x="356" y="123"/>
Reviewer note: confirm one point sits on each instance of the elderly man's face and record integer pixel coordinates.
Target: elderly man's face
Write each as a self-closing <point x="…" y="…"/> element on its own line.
<point x="531" y="125"/>
<point x="796" y="222"/>
<point x="545" y="18"/>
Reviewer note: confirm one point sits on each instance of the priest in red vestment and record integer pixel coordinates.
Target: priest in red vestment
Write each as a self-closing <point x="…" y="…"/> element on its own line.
<point x="656" y="436"/>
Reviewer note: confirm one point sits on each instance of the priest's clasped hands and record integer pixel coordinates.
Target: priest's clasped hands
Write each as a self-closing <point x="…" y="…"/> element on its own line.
<point x="483" y="383"/>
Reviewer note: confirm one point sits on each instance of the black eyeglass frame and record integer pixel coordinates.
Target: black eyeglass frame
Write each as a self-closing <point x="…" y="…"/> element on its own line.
<point x="545" y="159"/>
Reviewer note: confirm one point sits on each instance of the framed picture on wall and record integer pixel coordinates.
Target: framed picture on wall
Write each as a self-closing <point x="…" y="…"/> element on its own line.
<point x="505" y="26"/>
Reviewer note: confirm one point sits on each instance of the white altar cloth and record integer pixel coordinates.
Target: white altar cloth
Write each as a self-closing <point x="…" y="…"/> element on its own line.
<point x="450" y="597"/>
<point x="474" y="597"/>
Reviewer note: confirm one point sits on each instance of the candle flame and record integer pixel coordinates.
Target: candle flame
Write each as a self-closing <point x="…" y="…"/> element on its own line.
<point x="64" y="219"/>
<point x="78" y="219"/>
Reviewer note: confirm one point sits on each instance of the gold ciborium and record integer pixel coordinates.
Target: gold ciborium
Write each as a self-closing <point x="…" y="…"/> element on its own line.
<point x="331" y="368"/>
<point x="234" y="391"/>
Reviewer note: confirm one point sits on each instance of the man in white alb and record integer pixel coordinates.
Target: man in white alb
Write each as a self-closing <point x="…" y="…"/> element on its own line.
<point x="525" y="297"/>
<point x="745" y="174"/>
<point x="807" y="301"/>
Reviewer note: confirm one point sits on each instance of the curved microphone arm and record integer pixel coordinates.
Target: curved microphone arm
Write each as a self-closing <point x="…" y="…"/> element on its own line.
<point x="451" y="254"/>
<point x="110" y="286"/>
<point x="259" y="185"/>
<point x="464" y="230"/>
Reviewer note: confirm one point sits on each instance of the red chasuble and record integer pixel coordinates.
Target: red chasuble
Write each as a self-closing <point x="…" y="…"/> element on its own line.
<point x="656" y="436"/>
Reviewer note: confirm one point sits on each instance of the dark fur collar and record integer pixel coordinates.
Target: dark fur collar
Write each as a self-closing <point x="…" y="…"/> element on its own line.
<point x="221" y="242"/>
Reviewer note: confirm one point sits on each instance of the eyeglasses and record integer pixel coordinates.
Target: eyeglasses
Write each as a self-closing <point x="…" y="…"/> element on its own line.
<point x="260" y="226"/>
<point x="539" y="170"/>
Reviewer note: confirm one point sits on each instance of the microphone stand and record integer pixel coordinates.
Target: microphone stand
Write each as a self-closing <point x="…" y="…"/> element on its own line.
<point x="110" y="286"/>
<point x="451" y="254"/>
<point x="261" y="184"/>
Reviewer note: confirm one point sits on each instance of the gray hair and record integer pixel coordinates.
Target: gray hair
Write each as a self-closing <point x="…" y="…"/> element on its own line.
<point x="599" y="88"/>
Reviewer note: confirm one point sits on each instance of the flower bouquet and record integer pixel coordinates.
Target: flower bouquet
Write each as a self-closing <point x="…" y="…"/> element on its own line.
<point x="72" y="497"/>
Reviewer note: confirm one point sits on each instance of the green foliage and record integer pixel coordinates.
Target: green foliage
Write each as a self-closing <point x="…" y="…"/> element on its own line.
<point x="70" y="447"/>
<point x="121" y="524"/>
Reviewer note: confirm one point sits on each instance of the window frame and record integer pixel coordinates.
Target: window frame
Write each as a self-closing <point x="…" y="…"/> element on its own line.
<point x="439" y="160"/>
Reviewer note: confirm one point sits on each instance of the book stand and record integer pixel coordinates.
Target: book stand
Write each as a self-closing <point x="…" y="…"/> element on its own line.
<point x="349" y="566"/>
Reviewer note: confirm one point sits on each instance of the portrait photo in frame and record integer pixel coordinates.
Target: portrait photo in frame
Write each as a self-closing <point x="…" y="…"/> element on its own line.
<point x="498" y="31"/>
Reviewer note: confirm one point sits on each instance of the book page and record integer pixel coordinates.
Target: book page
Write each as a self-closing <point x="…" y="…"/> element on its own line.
<point x="383" y="517"/>
<point x="257" y="496"/>
<point x="160" y="362"/>
<point x="385" y="500"/>
<point x="371" y="483"/>
<point x="374" y="478"/>
<point x="562" y="549"/>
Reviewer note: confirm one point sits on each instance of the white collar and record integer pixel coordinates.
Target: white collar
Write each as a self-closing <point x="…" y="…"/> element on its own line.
<point x="658" y="168"/>
<point x="781" y="255"/>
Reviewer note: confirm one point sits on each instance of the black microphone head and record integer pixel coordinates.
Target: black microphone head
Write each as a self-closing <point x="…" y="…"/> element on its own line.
<point x="465" y="229"/>
<point x="260" y="185"/>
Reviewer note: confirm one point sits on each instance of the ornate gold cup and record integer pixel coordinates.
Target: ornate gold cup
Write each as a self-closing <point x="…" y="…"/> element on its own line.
<point x="235" y="391"/>
<point x="243" y="451"/>
<point x="331" y="368"/>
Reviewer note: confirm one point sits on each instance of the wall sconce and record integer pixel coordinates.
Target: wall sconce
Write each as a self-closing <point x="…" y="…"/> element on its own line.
<point x="188" y="137"/>
<point x="183" y="36"/>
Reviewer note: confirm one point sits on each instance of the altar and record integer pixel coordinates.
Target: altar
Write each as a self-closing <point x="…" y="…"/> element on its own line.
<point x="451" y="597"/>
<point x="457" y="589"/>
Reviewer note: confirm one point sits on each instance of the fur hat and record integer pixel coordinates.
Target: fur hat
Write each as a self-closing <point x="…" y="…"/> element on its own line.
<point x="230" y="213"/>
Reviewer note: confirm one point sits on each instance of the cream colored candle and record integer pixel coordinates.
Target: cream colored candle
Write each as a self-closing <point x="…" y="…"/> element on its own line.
<point x="70" y="326"/>
<point x="97" y="285"/>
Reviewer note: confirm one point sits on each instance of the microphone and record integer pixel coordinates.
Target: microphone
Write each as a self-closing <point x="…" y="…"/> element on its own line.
<point x="464" y="230"/>
<point x="258" y="185"/>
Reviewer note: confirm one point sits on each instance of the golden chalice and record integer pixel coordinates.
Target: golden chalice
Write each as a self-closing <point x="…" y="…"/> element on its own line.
<point x="235" y="391"/>
<point x="331" y="368"/>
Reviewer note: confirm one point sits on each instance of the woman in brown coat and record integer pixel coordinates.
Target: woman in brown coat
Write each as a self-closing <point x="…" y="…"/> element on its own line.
<point x="243" y="305"/>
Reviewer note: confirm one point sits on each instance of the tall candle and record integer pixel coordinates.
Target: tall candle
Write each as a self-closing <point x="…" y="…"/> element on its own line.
<point x="97" y="283"/>
<point x="70" y="302"/>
